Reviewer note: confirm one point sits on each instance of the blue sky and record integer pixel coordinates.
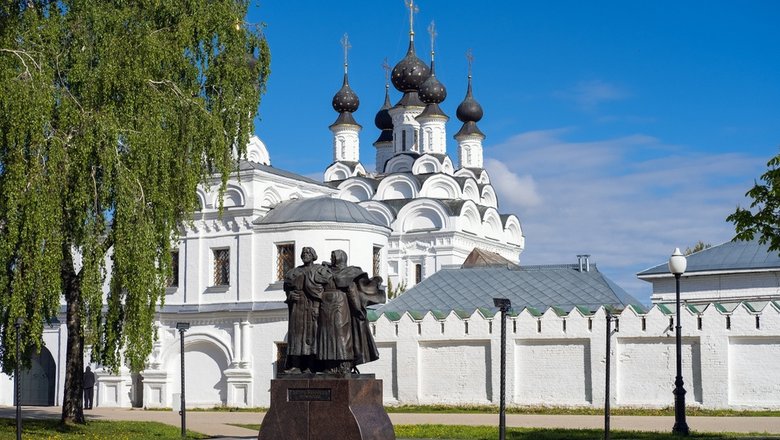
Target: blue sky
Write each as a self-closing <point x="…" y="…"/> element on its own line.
<point x="621" y="129"/>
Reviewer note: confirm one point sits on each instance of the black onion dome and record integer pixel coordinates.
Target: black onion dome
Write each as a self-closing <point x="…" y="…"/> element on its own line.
<point x="432" y="90"/>
<point x="410" y="73"/>
<point x="469" y="110"/>
<point x="383" y="120"/>
<point x="345" y="100"/>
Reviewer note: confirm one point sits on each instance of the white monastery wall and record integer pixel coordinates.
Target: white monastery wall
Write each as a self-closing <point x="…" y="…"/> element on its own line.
<point x="456" y="360"/>
<point x="729" y="359"/>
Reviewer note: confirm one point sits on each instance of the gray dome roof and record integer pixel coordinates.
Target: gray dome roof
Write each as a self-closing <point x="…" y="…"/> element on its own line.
<point x="319" y="209"/>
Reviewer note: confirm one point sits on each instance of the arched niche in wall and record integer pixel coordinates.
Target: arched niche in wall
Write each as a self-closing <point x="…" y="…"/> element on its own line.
<point x="201" y="199"/>
<point x="471" y="191"/>
<point x="355" y="190"/>
<point x="426" y="165"/>
<point x="380" y="211"/>
<point x="206" y="358"/>
<point x="233" y="197"/>
<point x="491" y="224"/>
<point x="422" y="215"/>
<point x="271" y="198"/>
<point x="399" y="164"/>
<point x="513" y="231"/>
<point x="397" y="187"/>
<point x="337" y="171"/>
<point x="488" y="197"/>
<point x="441" y="186"/>
<point x="257" y="152"/>
<point x="470" y="219"/>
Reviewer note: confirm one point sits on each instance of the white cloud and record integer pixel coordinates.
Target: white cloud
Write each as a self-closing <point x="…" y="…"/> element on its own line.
<point x="518" y="190"/>
<point x="627" y="201"/>
<point x="590" y="94"/>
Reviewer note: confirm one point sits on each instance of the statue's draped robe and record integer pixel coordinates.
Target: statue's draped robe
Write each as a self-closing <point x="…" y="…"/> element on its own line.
<point x="361" y="292"/>
<point x="304" y="313"/>
<point x="334" y="333"/>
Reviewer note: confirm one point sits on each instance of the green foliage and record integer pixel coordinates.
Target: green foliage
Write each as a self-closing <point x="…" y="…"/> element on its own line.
<point x="393" y="292"/>
<point x="699" y="246"/>
<point x="98" y="429"/>
<point x="111" y="114"/>
<point x="763" y="217"/>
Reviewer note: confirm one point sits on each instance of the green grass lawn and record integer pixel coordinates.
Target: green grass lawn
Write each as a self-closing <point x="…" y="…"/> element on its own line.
<point x="93" y="430"/>
<point x="451" y="432"/>
<point x="586" y="411"/>
<point x="551" y="410"/>
<point x="491" y="433"/>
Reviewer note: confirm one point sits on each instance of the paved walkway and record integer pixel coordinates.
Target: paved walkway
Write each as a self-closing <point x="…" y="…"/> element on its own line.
<point x="219" y="424"/>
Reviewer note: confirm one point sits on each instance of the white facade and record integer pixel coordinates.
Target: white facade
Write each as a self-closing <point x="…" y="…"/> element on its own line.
<point x="724" y="286"/>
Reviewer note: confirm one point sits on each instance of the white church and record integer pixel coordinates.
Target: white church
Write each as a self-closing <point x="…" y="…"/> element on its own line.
<point x="413" y="221"/>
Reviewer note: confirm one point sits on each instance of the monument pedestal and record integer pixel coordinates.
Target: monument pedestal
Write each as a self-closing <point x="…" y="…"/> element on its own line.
<point x="319" y="407"/>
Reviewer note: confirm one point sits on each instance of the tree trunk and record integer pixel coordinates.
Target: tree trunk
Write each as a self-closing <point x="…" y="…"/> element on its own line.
<point x="72" y="400"/>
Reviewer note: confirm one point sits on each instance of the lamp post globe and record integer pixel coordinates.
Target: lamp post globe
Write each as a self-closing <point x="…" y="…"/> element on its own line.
<point x="677" y="266"/>
<point x="677" y="262"/>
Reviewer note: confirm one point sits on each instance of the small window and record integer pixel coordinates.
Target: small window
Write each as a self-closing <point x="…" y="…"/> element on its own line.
<point x="221" y="267"/>
<point x="564" y="325"/>
<point x="590" y="324"/>
<point x="728" y="322"/>
<point x="644" y="324"/>
<point x="538" y="326"/>
<point x="417" y="273"/>
<point x="285" y="259"/>
<point x="758" y="322"/>
<point x="377" y="260"/>
<point x="173" y="280"/>
<point x="514" y="326"/>
<point x="698" y="322"/>
<point x="403" y="140"/>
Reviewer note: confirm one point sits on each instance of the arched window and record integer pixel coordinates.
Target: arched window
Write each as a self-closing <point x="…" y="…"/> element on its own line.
<point x="403" y="140"/>
<point x="417" y="273"/>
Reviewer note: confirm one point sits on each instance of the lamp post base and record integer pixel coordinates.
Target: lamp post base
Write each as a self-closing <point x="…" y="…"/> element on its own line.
<point x="680" y="427"/>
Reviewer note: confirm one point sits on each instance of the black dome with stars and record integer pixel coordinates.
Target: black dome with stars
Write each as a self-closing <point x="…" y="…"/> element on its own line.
<point x="410" y="73"/>
<point x="346" y="100"/>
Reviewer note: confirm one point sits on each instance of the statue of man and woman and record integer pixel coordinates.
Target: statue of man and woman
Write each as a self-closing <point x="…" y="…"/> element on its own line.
<point x="328" y="330"/>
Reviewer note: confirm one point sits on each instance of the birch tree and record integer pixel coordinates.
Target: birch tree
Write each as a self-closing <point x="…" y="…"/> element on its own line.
<point x="111" y="113"/>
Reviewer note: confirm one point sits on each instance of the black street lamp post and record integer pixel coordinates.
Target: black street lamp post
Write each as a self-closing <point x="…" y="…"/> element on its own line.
<point x="182" y="326"/>
<point x="606" y="375"/>
<point x="17" y="379"/>
<point x="503" y="304"/>
<point x="677" y="266"/>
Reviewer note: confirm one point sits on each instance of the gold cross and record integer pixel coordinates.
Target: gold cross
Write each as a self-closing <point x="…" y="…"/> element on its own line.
<point x="386" y="68"/>
<point x="345" y="44"/>
<point x="433" y="34"/>
<point x="413" y="9"/>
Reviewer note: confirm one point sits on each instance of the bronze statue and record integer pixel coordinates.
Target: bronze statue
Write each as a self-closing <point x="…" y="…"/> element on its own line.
<point x="304" y="296"/>
<point x="328" y="329"/>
